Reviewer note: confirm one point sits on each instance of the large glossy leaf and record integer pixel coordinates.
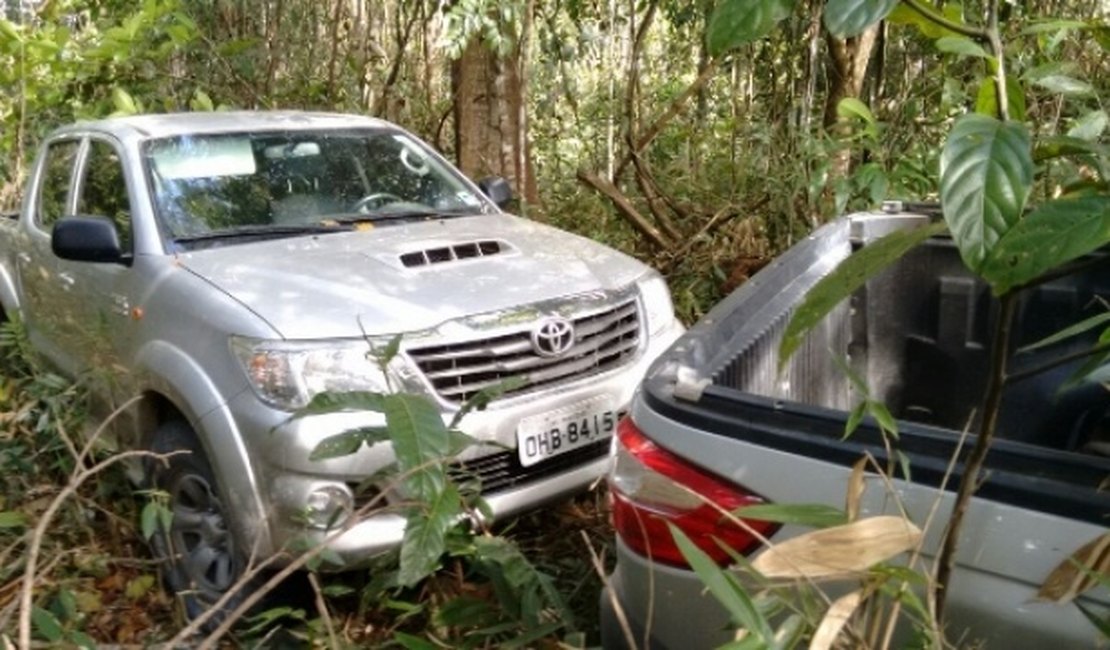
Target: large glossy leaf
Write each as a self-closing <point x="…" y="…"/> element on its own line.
<point x="420" y="441"/>
<point x="848" y="276"/>
<point x="736" y="22"/>
<point x="961" y="46"/>
<point x="1090" y="126"/>
<point x="845" y="18"/>
<point x="725" y="588"/>
<point x="985" y="178"/>
<point x="1065" y="85"/>
<point x="1055" y="233"/>
<point x="903" y="14"/>
<point x="425" y="535"/>
<point x="323" y="403"/>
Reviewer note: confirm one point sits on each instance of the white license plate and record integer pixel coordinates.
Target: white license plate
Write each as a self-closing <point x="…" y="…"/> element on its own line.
<point x="546" y="435"/>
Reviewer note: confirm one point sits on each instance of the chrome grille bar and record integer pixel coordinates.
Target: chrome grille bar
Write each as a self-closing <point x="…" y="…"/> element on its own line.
<point x="603" y="341"/>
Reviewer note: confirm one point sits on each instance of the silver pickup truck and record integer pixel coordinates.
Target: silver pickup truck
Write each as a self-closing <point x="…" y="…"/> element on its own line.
<point x="716" y="418"/>
<point x="229" y="266"/>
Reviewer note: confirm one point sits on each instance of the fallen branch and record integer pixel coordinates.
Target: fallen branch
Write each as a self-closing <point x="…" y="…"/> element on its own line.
<point x="625" y="207"/>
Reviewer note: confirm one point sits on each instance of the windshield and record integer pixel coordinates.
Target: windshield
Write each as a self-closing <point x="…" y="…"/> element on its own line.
<point x="231" y="182"/>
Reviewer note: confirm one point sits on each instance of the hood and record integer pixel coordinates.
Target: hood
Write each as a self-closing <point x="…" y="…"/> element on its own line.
<point x="345" y="284"/>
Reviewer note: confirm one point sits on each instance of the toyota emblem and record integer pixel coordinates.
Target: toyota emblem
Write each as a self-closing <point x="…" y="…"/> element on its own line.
<point x="553" y="337"/>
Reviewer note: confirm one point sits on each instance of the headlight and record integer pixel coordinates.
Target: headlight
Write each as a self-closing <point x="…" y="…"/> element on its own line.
<point x="656" y="297"/>
<point x="286" y="374"/>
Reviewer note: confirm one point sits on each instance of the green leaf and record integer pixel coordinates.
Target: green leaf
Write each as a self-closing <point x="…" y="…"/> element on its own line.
<point x="845" y="18"/>
<point x="480" y="400"/>
<point x="348" y="442"/>
<point x="805" y="514"/>
<point x="1065" y="85"/>
<point x="903" y="14"/>
<point x="201" y="102"/>
<point x="845" y="279"/>
<point x="46" y="624"/>
<point x="850" y="108"/>
<point x="139" y="587"/>
<point x="986" y="101"/>
<point x="1052" y="25"/>
<point x="1102" y="624"/>
<point x="961" y="46"/>
<point x="736" y="22"/>
<point x="148" y="519"/>
<point x="421" y="442"/>
<point x="728" y="592"/>
<point x="854" y="418"/>
<point x="882" y="415"/>
<point x="12" y="519"/>
<point x="985" y="178"/>
<point x="1090" y="126"/>
<point x="1085" y="325"/>
<point x="411" y="642"/>
<point x="124" y="103"/>
<point x="324" y="403"/>
<point x="425" y="534"/>
<point x="9" y="32"/>
<point x="390" y="351"/>
<point x="1055" y="233"/>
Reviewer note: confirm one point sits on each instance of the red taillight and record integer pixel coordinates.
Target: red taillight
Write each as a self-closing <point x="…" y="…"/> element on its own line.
<point x="651" y="487"/>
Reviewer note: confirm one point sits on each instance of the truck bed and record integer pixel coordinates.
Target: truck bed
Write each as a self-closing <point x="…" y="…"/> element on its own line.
<point x="918" y="334"/>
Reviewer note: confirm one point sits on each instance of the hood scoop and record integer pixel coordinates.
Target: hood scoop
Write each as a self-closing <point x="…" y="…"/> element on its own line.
<point x="454" y="252"/>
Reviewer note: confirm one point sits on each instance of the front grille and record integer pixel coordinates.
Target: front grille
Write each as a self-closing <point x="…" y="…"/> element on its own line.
<point x="498" y="472"/>
<point x="503" y="471"/>
<point x="602" y="341"/>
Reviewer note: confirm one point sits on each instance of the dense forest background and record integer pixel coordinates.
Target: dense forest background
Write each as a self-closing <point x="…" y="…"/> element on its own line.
<point x="612" y="118"/>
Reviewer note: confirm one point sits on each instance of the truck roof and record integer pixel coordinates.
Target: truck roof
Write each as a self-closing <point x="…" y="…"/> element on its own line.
<point x="173" y="124"/>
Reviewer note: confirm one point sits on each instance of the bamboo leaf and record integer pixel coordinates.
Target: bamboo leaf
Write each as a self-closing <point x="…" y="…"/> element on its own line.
<point x="1055" y="233"/>
<point x="805" y="514"/>
<point x="731" y="595"/>
<point x="1082" y="326"/>
<point x="846" y="18"/>
<point x="985" y="179"/>
<point x="839" y="552"/>
<point x="1079" y="572"/>
<point x="834" y="620"/>
<point x="846" y="278"/>
<point x="736" y="22"/>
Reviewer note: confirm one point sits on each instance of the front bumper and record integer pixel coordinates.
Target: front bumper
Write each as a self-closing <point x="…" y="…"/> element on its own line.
<point x="281" y="449"/>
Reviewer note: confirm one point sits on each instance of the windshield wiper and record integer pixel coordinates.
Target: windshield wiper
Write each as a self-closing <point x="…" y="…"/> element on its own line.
<point x="261" y="231"/>
<point x="390" y="215"/>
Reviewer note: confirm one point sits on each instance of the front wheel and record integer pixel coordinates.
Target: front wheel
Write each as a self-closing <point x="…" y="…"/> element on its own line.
<point x="198" y="555"/>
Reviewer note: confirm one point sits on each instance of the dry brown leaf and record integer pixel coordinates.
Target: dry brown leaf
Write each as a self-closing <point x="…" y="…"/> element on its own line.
<point x="834" y="620"/>
<point x="855" y="489"/>
<point x="840" y="551"/>
<point x="1068" y="580"/>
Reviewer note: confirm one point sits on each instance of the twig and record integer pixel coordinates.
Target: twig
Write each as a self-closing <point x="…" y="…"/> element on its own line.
<point x="618" y="610"/>
<point x="974" y="465"/>
<point x="322" y="608"/>
<point x="26" y="595"/>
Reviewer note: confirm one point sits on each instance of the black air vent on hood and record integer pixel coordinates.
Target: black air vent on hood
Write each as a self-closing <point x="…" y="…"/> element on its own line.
<point x="453" y="252"/>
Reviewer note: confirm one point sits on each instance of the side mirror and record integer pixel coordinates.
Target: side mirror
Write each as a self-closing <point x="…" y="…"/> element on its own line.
<point x="497" y="189"/>
<point x="86" y="239"/>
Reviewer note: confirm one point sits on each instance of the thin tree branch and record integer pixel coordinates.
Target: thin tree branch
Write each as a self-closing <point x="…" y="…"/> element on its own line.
<point x="942" y="20"/>
<point x="625" y="207"/>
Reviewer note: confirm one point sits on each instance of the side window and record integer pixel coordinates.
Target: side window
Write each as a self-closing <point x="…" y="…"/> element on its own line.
<point x="104" y="190"/>
<point x="55" y="183"/>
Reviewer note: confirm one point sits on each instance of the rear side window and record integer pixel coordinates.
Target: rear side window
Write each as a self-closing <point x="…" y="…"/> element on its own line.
<point x="54" y="187"/>
<point x="104" y="190"/>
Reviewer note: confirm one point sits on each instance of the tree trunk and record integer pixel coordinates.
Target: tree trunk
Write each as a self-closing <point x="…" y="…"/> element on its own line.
<point x="491" y="127"/>
<point x="846" y="72"/>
